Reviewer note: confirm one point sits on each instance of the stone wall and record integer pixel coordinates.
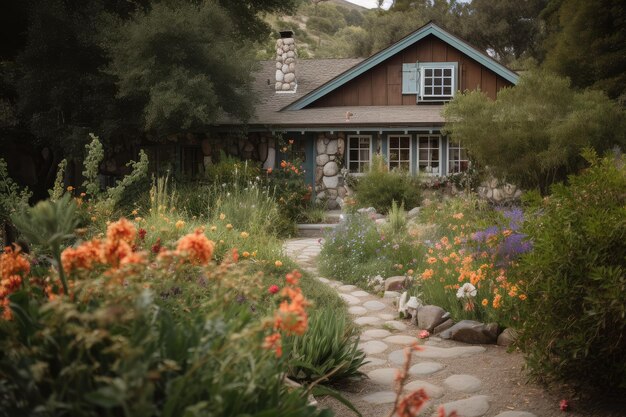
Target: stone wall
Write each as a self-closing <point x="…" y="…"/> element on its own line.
<point x="499" y="193"/>
<point x="286" y="64"/>
<point x="329" y="182"/>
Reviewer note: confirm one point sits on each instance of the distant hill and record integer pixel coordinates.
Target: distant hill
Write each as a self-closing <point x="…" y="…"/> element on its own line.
<point x="348" y="5"/>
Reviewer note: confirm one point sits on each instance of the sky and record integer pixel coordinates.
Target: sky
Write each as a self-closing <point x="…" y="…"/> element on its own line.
<point x="370" y="4"/>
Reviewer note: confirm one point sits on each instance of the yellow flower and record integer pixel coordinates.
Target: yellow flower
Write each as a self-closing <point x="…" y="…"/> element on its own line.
<point x="458" y="216"/>
<point x="93" y="218"/>
<point x="507" y="232"/>
<point x="213" y="228"/>
<point x="70" y="188"/>
<point x="245" y="254"/>
<point x="222" y="241"/>
<point x="485" y="302"/>
<point x="245" y="235"/>
<point x="180" y="224"/>
<point x="138" y="219"/>
<point x="278" y="264"/>
<point x="222" y="216"/>
<point x="254" y="254"/>
<point x="229" y="226"/>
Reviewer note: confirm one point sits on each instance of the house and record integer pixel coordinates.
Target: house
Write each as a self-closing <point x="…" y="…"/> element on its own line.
<point x="340" y="112"/>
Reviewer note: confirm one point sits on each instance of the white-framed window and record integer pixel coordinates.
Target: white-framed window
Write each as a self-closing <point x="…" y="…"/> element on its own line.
<point x="431" y="81"/>
<point x="458" y="160"/>
<point x="399" y="152"/>
<point x="429" y="155"/>
<point x="359" y="153"/>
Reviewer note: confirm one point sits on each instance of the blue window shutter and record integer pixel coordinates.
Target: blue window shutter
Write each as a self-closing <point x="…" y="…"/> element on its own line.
<point x="409" y="79"/>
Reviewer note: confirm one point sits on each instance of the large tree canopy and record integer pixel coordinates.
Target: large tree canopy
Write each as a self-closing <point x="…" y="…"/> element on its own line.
<point x="533" y="133"/>
<point x="587" y="43"/>
<point x="183" y="65"/>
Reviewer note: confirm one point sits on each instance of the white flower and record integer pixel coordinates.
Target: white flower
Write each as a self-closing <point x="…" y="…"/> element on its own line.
<point x="467" y="291"/>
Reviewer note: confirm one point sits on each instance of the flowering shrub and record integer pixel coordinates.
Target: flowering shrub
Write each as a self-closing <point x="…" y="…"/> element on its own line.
<point x="574" y="327"/>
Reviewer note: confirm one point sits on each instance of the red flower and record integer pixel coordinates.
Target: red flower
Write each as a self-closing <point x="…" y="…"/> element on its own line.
<point x="142" y="233"/>
<point x="273" y="289"/>
<point x="564" y="405"/>
<point x="156" y="248"/>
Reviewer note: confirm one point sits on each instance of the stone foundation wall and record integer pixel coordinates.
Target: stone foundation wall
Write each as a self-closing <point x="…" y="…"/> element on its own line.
<point x="498" y="193"/>
<point x="329" y="183"/>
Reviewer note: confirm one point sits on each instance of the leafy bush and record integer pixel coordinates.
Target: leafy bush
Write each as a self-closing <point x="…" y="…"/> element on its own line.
<point x="12" y="198"/>
<point x="378" y="188"/>
<point x="575" y="318"/>
<point x="355" y="251"/>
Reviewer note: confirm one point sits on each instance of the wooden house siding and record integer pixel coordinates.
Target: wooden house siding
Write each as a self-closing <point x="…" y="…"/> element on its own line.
<point x="382" y="85"/>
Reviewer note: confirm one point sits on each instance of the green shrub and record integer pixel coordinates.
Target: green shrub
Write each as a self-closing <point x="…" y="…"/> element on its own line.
<point x="379" y="187"/>
<point x="574" y="327"/>
<point x="329" y="350"/>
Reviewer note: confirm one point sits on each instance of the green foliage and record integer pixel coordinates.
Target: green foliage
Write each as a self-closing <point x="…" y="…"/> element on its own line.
<point x="230" y="170"/>
<point x="139" y="171"/>
<point x="379" y="187"/>
<point x="575" y="318"/>
<point x="356" y="251"/>
<point x="586" y="42"/>
<point x="533" y="133"/>
<point x="58" y="189"/>
<point x="48" y="225"/>
<point x="397" y="218"/>
<point x="95" y="155"/>
<point x="183" y="64"/>
<point x="328" y="351"/>
<point x="12" y="198"/>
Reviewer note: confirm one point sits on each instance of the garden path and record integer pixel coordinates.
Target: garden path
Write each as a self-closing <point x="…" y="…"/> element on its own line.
<point x="475" y="380"/>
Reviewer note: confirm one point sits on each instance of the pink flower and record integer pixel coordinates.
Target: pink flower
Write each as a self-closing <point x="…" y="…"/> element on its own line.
<point x="273" y="289"/>
<point x="564" y="405"/>
<point x="423" y="334"/>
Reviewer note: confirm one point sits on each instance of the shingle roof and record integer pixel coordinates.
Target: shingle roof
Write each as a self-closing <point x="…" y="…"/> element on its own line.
<point x="311" y="74"/>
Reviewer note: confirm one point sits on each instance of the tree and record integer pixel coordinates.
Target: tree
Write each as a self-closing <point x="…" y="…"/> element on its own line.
<point x="533" y="133"/>
<point x="510" y="29"/>
<point x="183" y="64"/>
<point x="587" y="43"/>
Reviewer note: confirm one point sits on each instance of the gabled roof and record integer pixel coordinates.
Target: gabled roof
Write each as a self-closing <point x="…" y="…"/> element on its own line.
<point x="428" y="29"/>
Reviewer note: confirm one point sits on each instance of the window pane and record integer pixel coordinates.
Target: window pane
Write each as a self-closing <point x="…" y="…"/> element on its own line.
<point x="437" y="72"/>
<point x="393" y="156"/>
<point x="393" y="141"/>
<point x="354" y="142"/>
<point x="434" y="142"/>
<point x="435" y="154"/>
<point x="428" y="91"/>
<point x="423" y="154"/>
<point x="364" y="155"/>
<point x="437" y="81"/>
<point x="354" y="154"/>
<point x="354" y="166"/>
<point x="404" y="166"/>
<point x="447" y="72"/>
<point x="404" y="154"/>
<point x="364" y="141"/>
<point x="423" y="141"/>
<point x="404" y="142"/>
<point x="447" y="81"/>
<point x="428" y="81"/>
<point x="447" y="91"/>
<point x="428" y="72"/>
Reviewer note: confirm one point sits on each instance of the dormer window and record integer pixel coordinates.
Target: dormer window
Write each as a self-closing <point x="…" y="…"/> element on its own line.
<point x="430" y="81"/>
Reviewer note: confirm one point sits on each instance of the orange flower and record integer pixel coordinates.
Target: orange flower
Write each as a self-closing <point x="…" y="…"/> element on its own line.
<point x="427" y="274"/>
<point x="497" y="301"/>
<point x="278" y="264"/>
<point x="245" y="254"/>
<point x="13" y="267"/>
<point x="273" y="342"/>
<point x="269" y="170"/>
<point x="83" y="256"/>
<point x="283" y="164"/>
<point x="458" y="216"/>
<point x="411" y="404"/>
<point x="431" y="260"/>
<point x="485" y="302"/>
<point x="293" y="277"/>
<point x="523" y="297"/>
<point x="196" y="247"/>
<point x="121" y="230"/>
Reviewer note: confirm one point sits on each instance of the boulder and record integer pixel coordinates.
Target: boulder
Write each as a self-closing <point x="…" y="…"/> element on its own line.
<point x="321" y="146"/>
<point x="289" y="77"/>
<point x="367" y="210"/>
<point x="414" y="212"/>
<point x="321" y="160"/>
<point x="331" y="169"/>
<point x="443" y="326"/>
<point x="331" y="182"/>
<point x="507" y="337"/>
<point x="395" y="283"/>
<point x="471" y="331"/>
<point x="279" y="75"/>
<point x="332" y="147"/>
<point x="429" y="317"/>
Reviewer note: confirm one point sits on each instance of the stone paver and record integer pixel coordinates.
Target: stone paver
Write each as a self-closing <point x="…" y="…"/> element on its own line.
<point x="357" y="310"/>
<point x="373" y="347"/>
<point x="463" y="383"/>
<point x="475" y="406"/>
<point x="386" y="316"/>
<point x="515" y="413"/>
<point x="347" y="288"/>
<point x="376" y="333"/>
<point x="433" y="391"/>
<point x="372" y="361"/>
<point x="360" y="293"/>
<point x="452" y="352"/>
<point x="396" y="325"/>
<point x="368" y="320"/>
<point x="383" y="376"/>
<point x="374" y="305"/>
<point x="425" y="368"/>
<point x="350" y="299"/>
<point x="400" y="339"/>
<point x="382" y="397"/>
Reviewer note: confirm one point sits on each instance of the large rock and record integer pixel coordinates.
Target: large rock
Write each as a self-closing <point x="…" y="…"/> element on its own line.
<point x="395" y="283"/>
<point x="332" y="147"/>
<point x="414" y="212"/>
<point x="321" y="160"/>
<point x="473" y="332"/>
<point x="279" y="75"/>
<point x="429" y="317"/>
<point x="443" y="326"/>
<point x="289" y="77"/>
<point x="367" y="210"/>
<point x="321" y="146"/>
<point x="331" y="182"/>
<point x="507" y="337"/>
<point x="331" y="169"/>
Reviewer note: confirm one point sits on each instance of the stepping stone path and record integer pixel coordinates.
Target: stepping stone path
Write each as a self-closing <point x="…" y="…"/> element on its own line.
<point x="442" y="367"/>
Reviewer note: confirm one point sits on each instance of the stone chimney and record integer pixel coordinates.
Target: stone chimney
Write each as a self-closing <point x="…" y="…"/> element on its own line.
<point x="286" y="63"/>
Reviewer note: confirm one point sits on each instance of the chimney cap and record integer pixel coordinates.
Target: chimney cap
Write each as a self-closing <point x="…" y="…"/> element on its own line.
<point x="286" y="34"/>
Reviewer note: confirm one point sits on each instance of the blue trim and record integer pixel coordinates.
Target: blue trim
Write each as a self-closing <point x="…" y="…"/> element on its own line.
<point x="428" y="29"/>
